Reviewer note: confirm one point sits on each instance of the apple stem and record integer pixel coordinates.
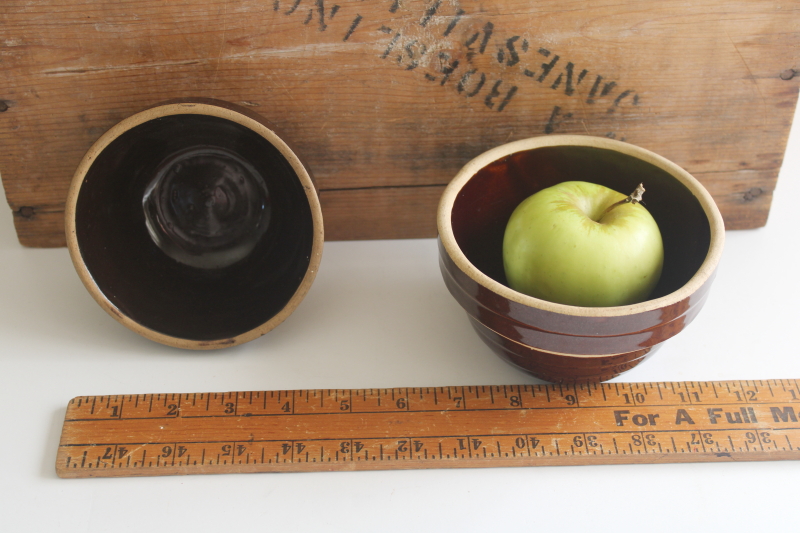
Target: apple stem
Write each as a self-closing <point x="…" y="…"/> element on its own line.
<point x="634" y="198"/>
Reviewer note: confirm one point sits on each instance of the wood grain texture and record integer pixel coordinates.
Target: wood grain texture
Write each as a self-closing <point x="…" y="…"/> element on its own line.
<point x="429" y="427"/>
<point x="387" y="99"/>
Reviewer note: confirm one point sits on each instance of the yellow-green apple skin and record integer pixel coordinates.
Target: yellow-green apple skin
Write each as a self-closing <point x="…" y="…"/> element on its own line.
<point x="561" y="245"/>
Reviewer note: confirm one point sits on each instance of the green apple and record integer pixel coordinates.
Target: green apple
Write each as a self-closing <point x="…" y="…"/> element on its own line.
<point x="583" y="244"/>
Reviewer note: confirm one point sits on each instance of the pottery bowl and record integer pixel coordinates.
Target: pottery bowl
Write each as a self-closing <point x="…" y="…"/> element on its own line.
<point x="194" y="224"/>
<point x="563" y="343"/>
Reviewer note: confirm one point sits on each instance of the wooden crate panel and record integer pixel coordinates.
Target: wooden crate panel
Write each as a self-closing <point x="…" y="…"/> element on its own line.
<point x="387" y="99"/>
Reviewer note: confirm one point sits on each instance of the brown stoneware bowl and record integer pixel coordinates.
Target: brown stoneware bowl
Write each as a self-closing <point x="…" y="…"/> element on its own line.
<point x="562" y="343"/>
<point x="194" y="224"/>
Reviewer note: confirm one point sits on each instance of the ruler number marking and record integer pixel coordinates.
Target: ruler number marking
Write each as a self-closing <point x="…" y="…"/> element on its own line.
<point x="746" y="437"/>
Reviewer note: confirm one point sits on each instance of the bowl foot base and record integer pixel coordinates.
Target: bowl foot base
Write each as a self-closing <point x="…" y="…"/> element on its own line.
<point x="560" y="368"/>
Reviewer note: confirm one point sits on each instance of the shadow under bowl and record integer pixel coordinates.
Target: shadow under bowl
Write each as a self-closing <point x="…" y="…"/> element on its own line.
<point x="194" y="224"/>
<point x="562" y="343"/>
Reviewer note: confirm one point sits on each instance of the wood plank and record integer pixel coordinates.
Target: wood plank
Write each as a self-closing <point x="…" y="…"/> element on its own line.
<point x="388" y="213"/>
<point x="387" y="95"/>
<point x="428" y="427"/>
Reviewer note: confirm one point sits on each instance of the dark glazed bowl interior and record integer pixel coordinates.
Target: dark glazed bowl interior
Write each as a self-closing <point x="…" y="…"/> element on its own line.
<point x="195" y="227"/>
<point x="484" y="205"/>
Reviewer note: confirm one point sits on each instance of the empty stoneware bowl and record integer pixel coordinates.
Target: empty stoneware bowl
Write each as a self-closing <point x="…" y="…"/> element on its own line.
<point x="194" y="224"/>
<point x="563" y="343"/>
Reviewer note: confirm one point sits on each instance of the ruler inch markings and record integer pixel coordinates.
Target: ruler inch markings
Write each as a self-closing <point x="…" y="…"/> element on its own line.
<point x="512" y="425"/>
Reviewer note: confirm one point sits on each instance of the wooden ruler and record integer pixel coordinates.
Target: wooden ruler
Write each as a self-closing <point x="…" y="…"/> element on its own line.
<point x="436" y="427"/>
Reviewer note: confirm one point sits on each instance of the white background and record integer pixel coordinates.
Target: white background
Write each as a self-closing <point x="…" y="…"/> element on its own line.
<point x="378" y="315"/>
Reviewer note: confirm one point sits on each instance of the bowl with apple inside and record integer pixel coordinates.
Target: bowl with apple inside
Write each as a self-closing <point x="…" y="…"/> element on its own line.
<point x="576" y="257"/>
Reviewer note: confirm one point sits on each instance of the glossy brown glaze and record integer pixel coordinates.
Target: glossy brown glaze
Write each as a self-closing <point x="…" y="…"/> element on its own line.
<point x="607" y="336"/>
<point x="193" y="224"/>
<point x="472" y="217"/>
<point x="560" y="368"/>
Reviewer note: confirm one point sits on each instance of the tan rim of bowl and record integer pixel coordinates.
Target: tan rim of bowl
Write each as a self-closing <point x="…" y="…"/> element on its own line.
<point x="717" y="226"/>
<point x="208" y="108"/>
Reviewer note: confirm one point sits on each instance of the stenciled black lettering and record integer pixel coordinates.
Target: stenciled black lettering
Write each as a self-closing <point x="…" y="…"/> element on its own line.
<point x="619" y="99"/>
<point x="590" y="100"/>
<point x="319" y="7"/>
<point x="547" y="67"/>
<point x="494" y="93"/>
<point x="429" y="13"/>
<point x="556" y="118"/>
<point x="391" y="43"/>
<point x="446" y="67"/>
<point x="734" y="418"/>
<point x="456" y="18"/>
<point x="353" y="26"/>
<point x="294" y="7"/>
<point x="509" y="95"/>
<point x="607" y="88"/>
<point x="682" y="416"/>
<point x="414" y="51"/>
<point x="513" y="56"/>
<point x="465" y="79"/>
<point x="410" y="52"/>
<point x="488" y="29"/>
<point x="712" y="414"/>
<point x="569" y="84"/>
<point x="783" y="415"/>
<point x="489" y="102"/>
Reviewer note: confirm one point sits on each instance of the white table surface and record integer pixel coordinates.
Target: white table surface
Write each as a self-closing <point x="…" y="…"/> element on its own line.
<point x="378" y="315"/>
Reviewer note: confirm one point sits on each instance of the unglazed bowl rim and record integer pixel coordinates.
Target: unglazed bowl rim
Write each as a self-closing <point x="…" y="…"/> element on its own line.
<point x="205" y="107"/>
<point x="706" y="270"/>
